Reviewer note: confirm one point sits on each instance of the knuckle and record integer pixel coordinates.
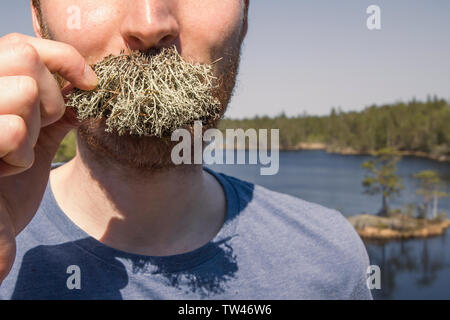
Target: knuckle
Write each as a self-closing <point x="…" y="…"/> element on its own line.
<point x="28" y="89"/>
<point x="18" y="132"/>
<point x="13" y="38"/>
<point x="28" y="55"/>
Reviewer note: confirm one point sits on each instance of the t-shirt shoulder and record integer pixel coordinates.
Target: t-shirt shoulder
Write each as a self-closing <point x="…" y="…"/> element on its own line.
<point x="298" y="212"/>
<point x="316" y="233"/>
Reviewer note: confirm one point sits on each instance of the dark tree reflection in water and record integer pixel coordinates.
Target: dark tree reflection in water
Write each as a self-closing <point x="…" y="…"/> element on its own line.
<point x="412" y="269"/>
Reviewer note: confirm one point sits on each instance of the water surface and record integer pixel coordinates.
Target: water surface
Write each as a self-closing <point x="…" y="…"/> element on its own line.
<point x="411" y="269"/>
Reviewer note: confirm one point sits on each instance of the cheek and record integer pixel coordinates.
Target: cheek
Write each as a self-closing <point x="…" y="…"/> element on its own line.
<point x="211" y="27"/>
<point x="73" y="22"/>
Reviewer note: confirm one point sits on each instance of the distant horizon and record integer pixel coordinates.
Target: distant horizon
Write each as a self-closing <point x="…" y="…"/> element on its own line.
<point x="315" y="55"/>
<point x="340" y="109"/>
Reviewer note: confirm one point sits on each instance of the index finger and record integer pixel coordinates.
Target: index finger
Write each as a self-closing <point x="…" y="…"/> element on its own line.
<point x="61" y="58"/>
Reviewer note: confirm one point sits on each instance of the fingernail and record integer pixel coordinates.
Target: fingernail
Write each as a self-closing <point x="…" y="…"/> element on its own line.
<point x="90" y="76"/>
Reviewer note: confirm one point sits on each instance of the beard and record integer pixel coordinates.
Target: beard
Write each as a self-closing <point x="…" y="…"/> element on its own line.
<point x="136" y="141"/>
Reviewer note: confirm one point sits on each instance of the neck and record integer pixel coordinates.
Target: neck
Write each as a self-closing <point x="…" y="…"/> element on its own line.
<point x="158" y="213"/>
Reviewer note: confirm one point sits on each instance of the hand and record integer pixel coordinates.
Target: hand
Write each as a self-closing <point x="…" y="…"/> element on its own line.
<point x="33" y="122"/>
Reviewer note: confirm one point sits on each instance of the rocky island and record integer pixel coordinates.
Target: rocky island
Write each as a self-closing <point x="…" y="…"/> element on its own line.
<point x="397" y="226"/>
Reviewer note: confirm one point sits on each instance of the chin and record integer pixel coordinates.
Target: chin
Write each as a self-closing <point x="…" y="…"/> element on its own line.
<point x="128" y="151"/>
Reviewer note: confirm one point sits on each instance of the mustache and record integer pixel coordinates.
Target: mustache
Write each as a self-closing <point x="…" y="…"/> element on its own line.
<point x="149" y="93"/>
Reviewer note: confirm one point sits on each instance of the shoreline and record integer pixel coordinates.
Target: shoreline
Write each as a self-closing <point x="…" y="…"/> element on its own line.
<point x="351" y="151"/>
<point x="347" y="151"/>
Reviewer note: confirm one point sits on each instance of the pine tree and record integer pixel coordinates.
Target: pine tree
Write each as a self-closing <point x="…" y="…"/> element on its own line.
<point x="381" y="177"/>
<point x="430" y="183"/>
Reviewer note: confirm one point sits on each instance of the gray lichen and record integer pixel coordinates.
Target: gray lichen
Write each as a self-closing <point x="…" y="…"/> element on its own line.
<point x="149" y="94"/>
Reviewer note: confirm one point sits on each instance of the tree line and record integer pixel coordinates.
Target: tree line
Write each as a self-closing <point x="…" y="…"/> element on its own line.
<point x="414" y="126"/>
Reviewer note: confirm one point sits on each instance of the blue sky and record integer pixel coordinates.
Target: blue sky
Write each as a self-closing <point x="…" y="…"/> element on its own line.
<point x="312" y="55"/>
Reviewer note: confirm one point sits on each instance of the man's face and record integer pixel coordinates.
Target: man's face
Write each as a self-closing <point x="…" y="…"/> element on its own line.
<point x="202" y="30"/>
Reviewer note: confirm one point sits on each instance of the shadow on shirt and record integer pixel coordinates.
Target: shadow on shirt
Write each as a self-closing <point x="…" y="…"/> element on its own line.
<point x="44" y="271"/>
<point x="44" y="274"/>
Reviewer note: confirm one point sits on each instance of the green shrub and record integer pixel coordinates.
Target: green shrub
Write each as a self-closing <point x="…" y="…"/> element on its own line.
<point x="67" y="149"/>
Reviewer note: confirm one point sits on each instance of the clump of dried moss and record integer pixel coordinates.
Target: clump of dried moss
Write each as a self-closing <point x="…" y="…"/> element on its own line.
<point x="149" y="94"/>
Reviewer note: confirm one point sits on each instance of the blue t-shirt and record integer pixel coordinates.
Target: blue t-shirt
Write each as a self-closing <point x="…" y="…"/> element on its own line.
<point x="271" y="246"/>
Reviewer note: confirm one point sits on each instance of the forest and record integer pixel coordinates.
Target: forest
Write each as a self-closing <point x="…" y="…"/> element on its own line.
<point x="416" y="127"/>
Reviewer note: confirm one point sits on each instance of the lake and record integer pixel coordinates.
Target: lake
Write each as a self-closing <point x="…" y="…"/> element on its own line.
<point x="410" y="269"/>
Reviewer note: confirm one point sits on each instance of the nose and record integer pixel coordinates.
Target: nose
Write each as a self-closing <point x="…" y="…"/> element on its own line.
<point x="149" y="24"/>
